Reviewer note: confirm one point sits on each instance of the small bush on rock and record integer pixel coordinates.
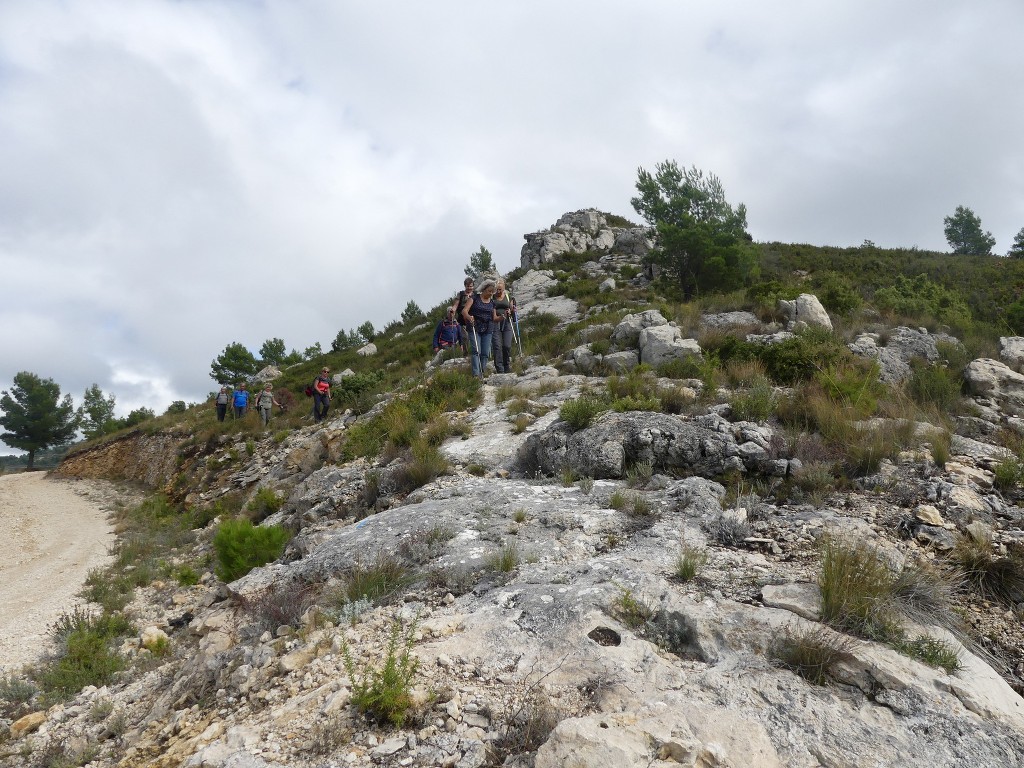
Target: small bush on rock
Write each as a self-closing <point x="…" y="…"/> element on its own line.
<point x="581" y="412"/>
<point x="384" y="694"/>
<point x="812" y="653"/>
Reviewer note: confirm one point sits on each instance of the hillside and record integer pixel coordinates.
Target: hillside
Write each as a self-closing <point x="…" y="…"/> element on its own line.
<point x="756" y="529"/>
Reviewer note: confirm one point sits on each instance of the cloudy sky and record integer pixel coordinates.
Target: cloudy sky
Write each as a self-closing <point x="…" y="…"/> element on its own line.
<point x="175" y="176"/>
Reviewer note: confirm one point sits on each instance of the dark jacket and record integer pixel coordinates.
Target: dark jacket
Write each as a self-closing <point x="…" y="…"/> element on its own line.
<point x="447" y="334"/>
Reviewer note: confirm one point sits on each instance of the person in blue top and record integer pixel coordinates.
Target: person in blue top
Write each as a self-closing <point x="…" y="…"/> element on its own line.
<point x="481" y="318"/>
<point x="241" y="401"/>
<point x="448" y="333"/>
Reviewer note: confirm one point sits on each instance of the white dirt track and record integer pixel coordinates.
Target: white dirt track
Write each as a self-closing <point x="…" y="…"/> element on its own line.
<point x="52" y="533"/>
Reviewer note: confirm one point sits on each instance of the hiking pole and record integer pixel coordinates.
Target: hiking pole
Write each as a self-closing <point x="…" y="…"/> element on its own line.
<point x="476" y="348"/>
<point x="516" y="337"/>
<point x="516" y="333"/>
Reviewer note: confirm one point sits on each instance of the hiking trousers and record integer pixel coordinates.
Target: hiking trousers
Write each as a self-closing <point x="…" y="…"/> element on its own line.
<point x="321" y="402"/>
<point x="479" y="356"/>
<point x="265" y="416"/>
<point x="501" y="347"/>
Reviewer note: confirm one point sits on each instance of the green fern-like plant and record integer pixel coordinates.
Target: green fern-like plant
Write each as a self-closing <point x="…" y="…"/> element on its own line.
<point x="384" y="694"/>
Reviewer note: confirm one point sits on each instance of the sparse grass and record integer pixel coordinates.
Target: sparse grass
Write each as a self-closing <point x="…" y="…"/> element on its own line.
<point x="280" y="605"/>
<point x="689" y="562"/>
<point x="520" y="424"/>
<point x="567" y="476"/>
<point x="618" y="500"/>
<point x="639" y="474"/>
<point x="755" y="404"/>
<point x="1009" y="473"/>
<point x="727" y="531"/>
<point x="377" y="580"/>
<point x="994" y="577"/>
<point x="426" y="463"/>
<point x="586" y="485"/>
<point x="425" y="545"/>
<point x="811" y="653"/>
<point x="477" y="470"/>
<point x="519" y="516"/>
<point x="940" y="448"/>
<point x="506" y="559"/>
<point x="857" y="591"/>
<point x="330" y="733"/>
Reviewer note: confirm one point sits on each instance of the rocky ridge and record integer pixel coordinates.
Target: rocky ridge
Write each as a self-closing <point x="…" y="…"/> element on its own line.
<point x="552" y="642"/>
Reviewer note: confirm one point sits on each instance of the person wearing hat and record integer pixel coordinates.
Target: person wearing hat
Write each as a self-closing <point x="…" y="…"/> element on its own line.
<point x="481" y="318"/>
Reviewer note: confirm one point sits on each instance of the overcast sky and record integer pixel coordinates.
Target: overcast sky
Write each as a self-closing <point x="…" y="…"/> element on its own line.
<point x="175" y="176"/>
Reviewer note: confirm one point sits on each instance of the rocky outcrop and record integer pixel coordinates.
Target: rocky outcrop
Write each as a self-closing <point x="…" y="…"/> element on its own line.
<point x="618" y="441"/>
<point x="1011" y="350"/>
<point x="901" y="345"/>
<point x="150" y="460"/>
<point x="586" y="230"/>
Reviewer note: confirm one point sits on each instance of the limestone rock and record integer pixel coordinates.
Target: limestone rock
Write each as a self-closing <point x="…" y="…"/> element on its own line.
<point x="996" y="381"/>
<point x="627" y="333"/>
<point x="621" y="362"/>
<point x="730" y="320"/>
<point x="806" y="309"/>
<point x="533" y="285"/>
<point x="367" y="350"/>
<point x="27" y="724"/>
<point x="1011" y="350"/>
<point x="663" y="344"/>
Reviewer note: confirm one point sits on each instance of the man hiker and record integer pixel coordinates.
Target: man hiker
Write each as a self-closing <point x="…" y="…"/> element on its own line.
<point x="222" y="403"/>
<point x="241" y="401"/>
<point x="447" y="335"/>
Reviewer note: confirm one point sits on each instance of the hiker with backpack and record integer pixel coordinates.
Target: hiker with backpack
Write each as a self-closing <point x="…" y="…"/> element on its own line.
<point x="481" y="318"/>
<point x="265" y="403"/>
<point x="222" y="403"/>
<point x="464" y="297"/>
<point x="504" y="305"/>
<point x="321" y="394"/>
<point x="447" y="335"/>
<point x="241" y="401"/>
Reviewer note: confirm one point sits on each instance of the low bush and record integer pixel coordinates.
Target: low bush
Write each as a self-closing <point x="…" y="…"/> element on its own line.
<point x="280" y="605"/>
<point x="933" y="385"/>
<point x="505" y="560"/>
<point x="265" y="503"/>
<point x="425" y="464"/>
<point x="384" y="694"/>
<point x="756" y="404"/>
<point x="932" y="651"/>
<point x="240" y="546"/>
<point x="630" y="610"/>
<point x="377" y="580"/>
<point x="581" y="412"/>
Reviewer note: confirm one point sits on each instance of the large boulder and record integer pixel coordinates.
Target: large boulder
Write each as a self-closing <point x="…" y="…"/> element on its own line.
<point x="805" y="309"/>
<point x="627" y="333"/>
<point x="576" y="232"/>
<point x="730" y="320"/>
<point x="621" y="362"/>
<point x="268" y="373"/>
<point x="664" y="343"/>
<point x="616" y="441"/>
<point x="1011" y="350"/>
<point x="998" y="382"/>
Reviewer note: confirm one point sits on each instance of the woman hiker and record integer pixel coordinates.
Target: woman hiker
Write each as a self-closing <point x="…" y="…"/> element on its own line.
<point x="480" y="317"/>
<point x="504" y="305"/>
<point x="321" y="394"/>
<point x="464" y="297"/>
<point x="265" y="403"/>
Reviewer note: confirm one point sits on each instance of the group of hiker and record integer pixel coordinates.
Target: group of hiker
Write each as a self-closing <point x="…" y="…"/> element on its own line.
<point x="482" y="322"/>
<point x="264" y="402"/>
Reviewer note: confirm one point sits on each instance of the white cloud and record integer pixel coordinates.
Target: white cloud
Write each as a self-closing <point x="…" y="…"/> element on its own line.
<point x="181" y="175"/>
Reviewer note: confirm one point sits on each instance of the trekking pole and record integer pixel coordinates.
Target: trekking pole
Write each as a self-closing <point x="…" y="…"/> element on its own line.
<point x="516" y="333"/>
<point x="516" y="337"/>
<point x="476" y="346"/>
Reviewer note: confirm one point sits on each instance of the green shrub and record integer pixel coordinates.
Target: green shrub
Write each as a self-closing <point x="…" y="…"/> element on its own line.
<point x="1008" y="474"/>
<point x="377" y="581"/>
<point x="265" y="503"/>
<point x="581" y="412"/>
<point x="856" y="591"/>
<point x="799" y="358"/>
<point x="630" y="610"/>
<point x="756" y="404"/>
<point x="919" y="297"/>
<point x="240" y="546"/>
<point x="426" y="463"/>
<point x="931" y="651"/>
<point x="385" y="694"/>
<point x="85" y="656"/>
<point x="617" y="500"/>
<point x="933" y="385"/>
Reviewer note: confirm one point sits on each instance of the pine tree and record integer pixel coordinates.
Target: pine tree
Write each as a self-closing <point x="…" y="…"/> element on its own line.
<point x="35" y="416"/>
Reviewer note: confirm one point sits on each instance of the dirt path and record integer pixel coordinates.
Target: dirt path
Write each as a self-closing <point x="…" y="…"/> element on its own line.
<point x="52" y="533"/>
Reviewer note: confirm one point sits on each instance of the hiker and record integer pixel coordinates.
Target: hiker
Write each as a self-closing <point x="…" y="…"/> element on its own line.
<point x="241" y="401"/>
<point x="447" y="335"/>
<point x="321" y="394"/>
<point x="464" y="297"/>
<point x="504" y="305"/>
<point x="222" y="403"/>
<point x="265" y="403"/>
<point x="481" y="318"/>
